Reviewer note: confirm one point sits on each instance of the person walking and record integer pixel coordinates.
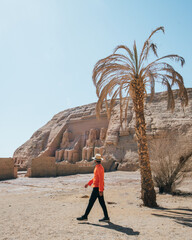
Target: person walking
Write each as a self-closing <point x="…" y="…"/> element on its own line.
<point x="98" y="188"/>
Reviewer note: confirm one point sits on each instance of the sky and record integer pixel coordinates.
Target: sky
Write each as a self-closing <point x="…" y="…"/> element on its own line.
<point x="48" y="49"/>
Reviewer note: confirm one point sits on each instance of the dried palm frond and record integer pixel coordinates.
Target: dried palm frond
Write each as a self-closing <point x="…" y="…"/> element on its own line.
<point x="128" y="71"/>
<point x="147" y="45"/>
<point x="125" y="48"/>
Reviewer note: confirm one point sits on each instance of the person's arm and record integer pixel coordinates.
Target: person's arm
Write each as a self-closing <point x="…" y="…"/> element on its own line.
<point x="89" y="183"/>
<point x="101" y="182"/>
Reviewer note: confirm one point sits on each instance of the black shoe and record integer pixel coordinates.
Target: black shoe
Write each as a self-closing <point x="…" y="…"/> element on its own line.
<point x="83" y="218"/>
<point x="105" y="219"/>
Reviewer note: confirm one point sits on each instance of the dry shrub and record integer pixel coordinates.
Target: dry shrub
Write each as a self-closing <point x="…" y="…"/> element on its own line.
<point x="131" y="157"/>
<point x="171" y="161"/>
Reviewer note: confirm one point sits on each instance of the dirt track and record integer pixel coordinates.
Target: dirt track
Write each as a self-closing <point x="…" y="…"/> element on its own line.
<point x="46" y="208"/>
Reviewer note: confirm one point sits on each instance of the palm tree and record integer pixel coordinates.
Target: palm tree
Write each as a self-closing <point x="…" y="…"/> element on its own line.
<point x="128" y="76"/>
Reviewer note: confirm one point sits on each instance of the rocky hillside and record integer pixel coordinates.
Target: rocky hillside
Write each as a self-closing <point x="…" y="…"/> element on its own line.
<point x="75" y="134"/>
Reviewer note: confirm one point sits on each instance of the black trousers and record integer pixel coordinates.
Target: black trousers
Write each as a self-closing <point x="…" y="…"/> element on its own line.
<point x="94" y="196"/>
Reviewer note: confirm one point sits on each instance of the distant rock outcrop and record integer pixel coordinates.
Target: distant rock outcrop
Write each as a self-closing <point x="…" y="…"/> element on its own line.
<point x="75" y="135"/>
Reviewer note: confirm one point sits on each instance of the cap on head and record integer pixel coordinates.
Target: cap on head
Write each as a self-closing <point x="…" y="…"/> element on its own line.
<point x="97" y="157"/>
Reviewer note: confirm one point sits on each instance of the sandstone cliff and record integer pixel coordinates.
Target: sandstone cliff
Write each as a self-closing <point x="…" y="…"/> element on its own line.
<point x="75" y="134"/>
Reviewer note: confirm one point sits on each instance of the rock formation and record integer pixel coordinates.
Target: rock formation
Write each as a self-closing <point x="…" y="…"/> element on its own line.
<point x="76" y="134"/>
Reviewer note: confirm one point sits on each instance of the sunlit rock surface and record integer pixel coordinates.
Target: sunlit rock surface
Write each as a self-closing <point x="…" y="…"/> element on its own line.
<point x="76" y="134"/>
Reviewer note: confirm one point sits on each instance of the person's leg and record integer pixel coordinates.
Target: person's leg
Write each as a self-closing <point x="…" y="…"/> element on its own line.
<point x="92" y="200"/>
<point x="102" y="203"/>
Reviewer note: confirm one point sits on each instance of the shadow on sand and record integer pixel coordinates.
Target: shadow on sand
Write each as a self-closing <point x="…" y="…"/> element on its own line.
<point x="181" y="216"/>
<point x="118" y="228"/>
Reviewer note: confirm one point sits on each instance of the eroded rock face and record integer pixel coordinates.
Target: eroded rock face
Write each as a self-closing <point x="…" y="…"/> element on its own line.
<point x="64" y="136"/>
<point x="75" y="134"/>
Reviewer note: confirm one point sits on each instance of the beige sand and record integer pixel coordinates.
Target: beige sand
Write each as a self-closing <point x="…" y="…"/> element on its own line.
<point x="46" y="208"/>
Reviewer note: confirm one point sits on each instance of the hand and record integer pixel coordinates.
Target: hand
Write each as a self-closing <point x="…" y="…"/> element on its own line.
<point x="86" y="185"/>
<point x="100" y="194"/>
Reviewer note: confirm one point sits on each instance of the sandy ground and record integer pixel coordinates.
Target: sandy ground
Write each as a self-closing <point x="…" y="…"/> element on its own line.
<point x="46" y="208"/>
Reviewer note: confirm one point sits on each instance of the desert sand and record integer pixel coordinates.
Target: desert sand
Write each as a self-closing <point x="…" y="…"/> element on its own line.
<point x="46" y="208"/>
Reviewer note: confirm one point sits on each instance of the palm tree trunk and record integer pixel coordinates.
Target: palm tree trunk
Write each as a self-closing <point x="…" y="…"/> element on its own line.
<point x="148" y="194"/>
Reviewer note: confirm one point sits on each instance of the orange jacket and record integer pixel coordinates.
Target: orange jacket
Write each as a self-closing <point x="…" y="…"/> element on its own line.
<point x="98" y="179"/>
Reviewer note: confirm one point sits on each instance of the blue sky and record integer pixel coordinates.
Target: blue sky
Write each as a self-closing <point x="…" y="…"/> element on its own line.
<point x="48" y="49"/>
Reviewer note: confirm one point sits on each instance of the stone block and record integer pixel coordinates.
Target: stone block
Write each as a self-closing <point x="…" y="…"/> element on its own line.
<point x="43" y="167"/>
<point x="64" y="169"/>
<point x="6" y="168"/>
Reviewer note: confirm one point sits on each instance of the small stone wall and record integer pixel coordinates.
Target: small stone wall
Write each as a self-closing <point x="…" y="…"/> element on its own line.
<point x="47" y="167"/>
<point x="42" y="167"/>
<point x="63" y="169"/>
<point x="7" y="169"/>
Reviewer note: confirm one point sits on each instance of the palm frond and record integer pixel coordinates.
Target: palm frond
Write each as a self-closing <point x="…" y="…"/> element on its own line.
<point x="147" y="45"/>
<point x="152" y="85"/>
<point x="156" y="30"/>
<point x="125" y="48"/>
<point x="171" y="101"/>
<point x="107" y="108"/>
<point x="154" y="48"/>
<point x="148" y="48"/>
<point x="113" y="99"/>
<point x="126" y="104"/>
<point x="112" y="80"/>
<point x="174" y="77"/>
<point x="184" y="97"/>
<point x="121" y="105"/>
<point x="115" y="62"/>
<point x="135" y="58"/>
<point x="170" y="56"/>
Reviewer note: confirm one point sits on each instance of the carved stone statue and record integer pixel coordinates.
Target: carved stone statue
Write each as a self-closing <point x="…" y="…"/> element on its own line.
<point x="69" y="150"/>
<point x="99" y="144"/>
<point x="72" y="155"/>
<point x="65" y="140"/>
<point x="88" y="150"/>
<point x="60" y="153"/>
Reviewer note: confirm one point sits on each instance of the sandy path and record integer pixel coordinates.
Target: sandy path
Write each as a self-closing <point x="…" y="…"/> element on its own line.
<point x="46" y="208"/>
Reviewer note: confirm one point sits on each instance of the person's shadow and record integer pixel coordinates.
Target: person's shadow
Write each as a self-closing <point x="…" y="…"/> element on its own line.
<point x="118" y="228"/>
